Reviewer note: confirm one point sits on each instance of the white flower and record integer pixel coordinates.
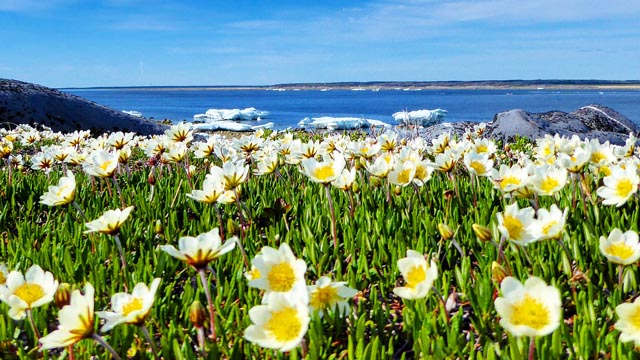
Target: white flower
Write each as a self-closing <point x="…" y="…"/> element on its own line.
<point x="532" y="309"/>
<point x="76" y="321"/>
<point x="621" y="248"/>
<point x="280" y="271"/>
<point x="130" y="308"/>
<point x="25" y="292"/>
<point x="101" y="163"/>
<point x="110" y="222"/>
<point x="280" y="324"/>
<point x="619" y="186"/>
<point x="200" y="251"/>
<point x="478" y="163"/>
<point x="325" y="171"/>
<point x="346" y="179"/>
<point x="515" y="224"/>
<point x="629" y="321"/>
<point x="550" y="223"/>
<point x="548" y="180"/>
<point x="60" y="194"/>
<point x="418" y="276"/>
<point x="327" y="295"/>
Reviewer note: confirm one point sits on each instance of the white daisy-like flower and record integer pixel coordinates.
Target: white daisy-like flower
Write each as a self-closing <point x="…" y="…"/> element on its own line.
<point x="130" y="308"/>
<point x="620" y="248"/>
<point x="418" y="276"/>
<point x="327" y="295"/>
<point x="25" y="292"/>
<point x="280" y="271"/>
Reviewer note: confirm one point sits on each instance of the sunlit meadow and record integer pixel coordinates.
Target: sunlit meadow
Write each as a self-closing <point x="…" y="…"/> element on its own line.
<point x="319" y="246"/>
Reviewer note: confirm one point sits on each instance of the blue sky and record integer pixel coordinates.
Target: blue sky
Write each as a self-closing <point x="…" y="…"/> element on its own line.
<point x="78" y="43"/>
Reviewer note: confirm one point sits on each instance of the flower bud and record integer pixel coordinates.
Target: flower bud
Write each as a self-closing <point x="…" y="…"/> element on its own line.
<point x="62" y="297"/>
<point x="158" y="228"/>
<point x="448" y="194"/>
<point x="375" y="181"/>
<point x="197" y="314"/>
<point x="397" y="190"/>
<point x="445" y="231"/>
<point x="232" y="227"/>
<point x="151" y="179"/>
<point x="482" y="232"/>
<point x="355" y="187"/>
<point x="498" y="272"/>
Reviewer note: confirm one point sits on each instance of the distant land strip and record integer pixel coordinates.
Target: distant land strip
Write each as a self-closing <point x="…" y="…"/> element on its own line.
<point x="406" y="85"/>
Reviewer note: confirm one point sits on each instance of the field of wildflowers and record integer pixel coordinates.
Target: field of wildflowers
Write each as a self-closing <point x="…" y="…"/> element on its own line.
<point x="318" y="246"/>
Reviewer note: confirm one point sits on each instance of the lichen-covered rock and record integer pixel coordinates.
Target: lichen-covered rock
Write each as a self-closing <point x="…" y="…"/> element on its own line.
<point x="26" y="103"/>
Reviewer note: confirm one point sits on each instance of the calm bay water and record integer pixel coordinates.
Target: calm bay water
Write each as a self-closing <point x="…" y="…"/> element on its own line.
<point x="287" y="108"/>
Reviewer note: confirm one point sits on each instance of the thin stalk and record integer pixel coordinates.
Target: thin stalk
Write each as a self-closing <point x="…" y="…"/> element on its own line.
<point x="207" y="292"/>
<point x="532" y="348"/>
<point x="333" y="215"/>
<point x="121" y="251"/>
<point x="200" y="331"/>
<point x="115" y="183"/>
<point x="221" y="226"/>
<point x="105" y="345"/>
<point x="621" y="276"/>
<point x="242" y="225"/>
<point x="443" y="303"/>
<point x="10" y="173"/>
<point x="33" y="324"/>
<point x="145" y="332"/>
<point x="72" y="355"/>
<point x="75" y="204"/>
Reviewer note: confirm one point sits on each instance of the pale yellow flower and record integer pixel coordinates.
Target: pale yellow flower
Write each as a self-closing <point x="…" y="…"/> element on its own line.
<point x="75" y="321"/>
<point x="25" y="292"/>
<point x="110" y="222"/>
<point x="280" y="324"/>
<point x="61" y="194"/>
<point x="629" y="321"/>
<point x="418" y="276"/>
<point x="200" y="251"/>
<point x="532" y="309"/>
<point x="621" y="248"/>
<point x="130" y="308"/>
<point x="327" y="295"/>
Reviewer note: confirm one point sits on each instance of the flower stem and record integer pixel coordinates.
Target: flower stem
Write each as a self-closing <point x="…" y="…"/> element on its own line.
<point x="120" y="251"/>
<point x="105" y="345"/>
<point x="207" y="292"/>
<point x="33" y="324"/>
<point x="532" y="348"/>
<point x="115" y="182"/>
<point x="333" y="215"/>
<point x="147" y="336"/>
<point x="621" y="276"/>
<point x="75" y="205"/>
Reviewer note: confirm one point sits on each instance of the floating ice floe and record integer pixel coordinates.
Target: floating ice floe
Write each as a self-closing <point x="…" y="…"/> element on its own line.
<point x="133" y="113"/>
<point x="340" y="123"/>
<point x="227" y="125"/>
<point x="420" y="117"/>
<point x="247" y="114"/>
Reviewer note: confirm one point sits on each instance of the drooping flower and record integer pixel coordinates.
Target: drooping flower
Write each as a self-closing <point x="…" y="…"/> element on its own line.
<point x="621" y="248"/>
<point x="200" y="251"/>
<point x="530" y="309"/>
<point x="418" y="276"/>
<point x="280" y="271"/>
<point x="619" y="186"/>
<point x="61" y="194"/>
<point x="327" y="295"/>
<point x="280" y="324"/>
<point x="629" y="321"/>
<point x="25" y="292"/>
<point x="76" y="321"/>
<point x="130" y="308"/>
<point x="110" y="222"/>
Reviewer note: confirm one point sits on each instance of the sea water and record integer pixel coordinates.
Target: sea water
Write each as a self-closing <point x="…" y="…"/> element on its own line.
<point x="287" y="108"/>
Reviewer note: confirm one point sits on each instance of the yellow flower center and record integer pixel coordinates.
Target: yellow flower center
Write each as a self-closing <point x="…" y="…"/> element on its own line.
<point x="509" y="180"/>
<point x="478" y="167"/>
<point x="421" y="172"/>
<point x="415" y="276"/>
<point x="324" y="297"/>
<point x="530" y="312"/>
<point x="634" y="319"/>
<point x="597" y="157"/>
<point x="105" y="165"/>
<point x="3" y="279"/>
<point x="549" y="184"/>
<point x="323" y="172"/>
<point x="404" y="177"/>
<point x="546" y="228"/>
<point x="624" y="187"/>
<point x="281" y="277"/>
<point x="620" y="249"/>
<point x="134" y="305"/>
<point x="29" y="293"/>
<point x="482" y="148"/>
<point x="253" y="274"/>
<point x="514" y="226"/>
<point x="284" y="325"/>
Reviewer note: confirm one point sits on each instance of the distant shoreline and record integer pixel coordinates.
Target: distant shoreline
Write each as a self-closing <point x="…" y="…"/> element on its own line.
<point x="400" y="86"/>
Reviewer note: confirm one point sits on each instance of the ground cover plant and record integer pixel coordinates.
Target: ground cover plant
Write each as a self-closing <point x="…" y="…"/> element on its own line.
<point x="318" y="246"/>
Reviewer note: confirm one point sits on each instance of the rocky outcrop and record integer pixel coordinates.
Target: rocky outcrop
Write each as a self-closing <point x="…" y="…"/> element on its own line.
<point x="26" y="103"/>
<point x="591" y="121"/>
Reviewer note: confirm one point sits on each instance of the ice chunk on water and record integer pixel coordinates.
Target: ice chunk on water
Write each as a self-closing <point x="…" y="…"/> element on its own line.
<point x="246" y="114"/>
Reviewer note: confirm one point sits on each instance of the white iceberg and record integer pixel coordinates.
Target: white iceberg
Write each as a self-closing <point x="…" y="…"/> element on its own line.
<point x="340" y="123"/>
<point x="227" y="125"/>
<point x="247" y="114"/>
<point x="420" y="117"/>
<point x="133" y="113"/>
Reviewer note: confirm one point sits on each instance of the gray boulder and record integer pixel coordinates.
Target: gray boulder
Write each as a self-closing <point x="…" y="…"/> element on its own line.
<point x="26" y="103"/>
